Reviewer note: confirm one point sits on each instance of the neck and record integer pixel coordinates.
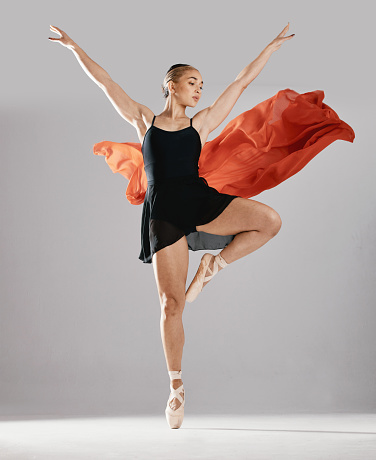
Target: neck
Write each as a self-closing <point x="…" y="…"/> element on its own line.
<point x="173" y="110"/>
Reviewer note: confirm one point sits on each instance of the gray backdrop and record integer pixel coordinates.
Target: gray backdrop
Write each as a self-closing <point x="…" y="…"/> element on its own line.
<point x="289" y="328"/>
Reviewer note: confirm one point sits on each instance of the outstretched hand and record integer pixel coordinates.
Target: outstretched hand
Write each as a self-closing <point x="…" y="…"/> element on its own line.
<point x="277" y="42"/>
<point x="64" y="39"/>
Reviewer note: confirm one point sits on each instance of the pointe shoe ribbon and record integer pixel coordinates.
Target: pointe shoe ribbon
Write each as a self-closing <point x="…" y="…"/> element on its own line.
<point x="175" y="417"/>
<point x="198" y="281"/>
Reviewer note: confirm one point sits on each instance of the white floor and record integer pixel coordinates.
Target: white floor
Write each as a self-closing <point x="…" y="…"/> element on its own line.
<point x="257" y="437"/>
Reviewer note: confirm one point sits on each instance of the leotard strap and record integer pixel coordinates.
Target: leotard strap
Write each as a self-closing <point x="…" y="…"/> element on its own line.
<point x="152" y="123"/>
<point x="191" y="121"/>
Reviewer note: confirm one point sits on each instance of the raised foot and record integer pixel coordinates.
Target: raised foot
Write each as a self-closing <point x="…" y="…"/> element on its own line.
<point x="209" y="271"/>
<point x="209" y="266"/>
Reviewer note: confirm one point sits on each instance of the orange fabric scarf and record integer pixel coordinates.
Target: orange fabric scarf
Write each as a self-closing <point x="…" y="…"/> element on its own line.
<point x="257" y="150"/>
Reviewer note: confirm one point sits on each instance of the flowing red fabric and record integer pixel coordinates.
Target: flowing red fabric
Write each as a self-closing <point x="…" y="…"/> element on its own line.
<point x="257" y="150"/>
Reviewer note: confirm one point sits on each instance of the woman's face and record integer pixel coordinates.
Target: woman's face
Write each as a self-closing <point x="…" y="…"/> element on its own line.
<point x="188" y="89"/>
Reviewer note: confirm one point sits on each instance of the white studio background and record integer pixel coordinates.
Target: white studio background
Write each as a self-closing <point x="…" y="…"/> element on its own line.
<point x="289" y="328"/>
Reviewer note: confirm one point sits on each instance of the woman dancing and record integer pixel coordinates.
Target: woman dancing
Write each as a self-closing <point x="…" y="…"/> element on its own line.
<point x="180" y="210"/>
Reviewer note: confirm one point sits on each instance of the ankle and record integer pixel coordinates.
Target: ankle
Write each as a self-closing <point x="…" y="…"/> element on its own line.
<point x="175" y="379"/>
<point x="222" y="263"/>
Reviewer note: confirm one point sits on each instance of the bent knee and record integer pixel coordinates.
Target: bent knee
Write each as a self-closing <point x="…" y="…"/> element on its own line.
<point x="274" y="223"/>
<point x="172" y="305"/>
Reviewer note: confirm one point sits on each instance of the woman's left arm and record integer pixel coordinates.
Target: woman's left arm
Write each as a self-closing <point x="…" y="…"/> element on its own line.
<point x="222" y="106"/>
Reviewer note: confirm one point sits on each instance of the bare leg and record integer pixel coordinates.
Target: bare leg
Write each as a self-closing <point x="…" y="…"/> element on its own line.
<point x="170" y="268"/>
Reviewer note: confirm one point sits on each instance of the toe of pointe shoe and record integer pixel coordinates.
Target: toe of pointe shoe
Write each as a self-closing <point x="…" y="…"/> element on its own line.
<point x="174" y="420"/>
<point x="197" y="283"/>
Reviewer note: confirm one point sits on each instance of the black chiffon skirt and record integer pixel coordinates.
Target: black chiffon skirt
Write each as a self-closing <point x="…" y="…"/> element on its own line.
<point x="174" y="207"/>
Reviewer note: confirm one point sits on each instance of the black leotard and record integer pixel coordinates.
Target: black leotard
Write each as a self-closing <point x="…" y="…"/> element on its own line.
<point x="177" y="199"/>
<point x="170" y="153"/>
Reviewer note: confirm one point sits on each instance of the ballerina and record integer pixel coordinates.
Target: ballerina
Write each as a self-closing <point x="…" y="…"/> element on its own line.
<point x="184" y="210"/>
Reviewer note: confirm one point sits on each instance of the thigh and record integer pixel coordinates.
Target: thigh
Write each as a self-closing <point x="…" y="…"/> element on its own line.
<point x="170" y="266"/>
<point x="241" y="215"/>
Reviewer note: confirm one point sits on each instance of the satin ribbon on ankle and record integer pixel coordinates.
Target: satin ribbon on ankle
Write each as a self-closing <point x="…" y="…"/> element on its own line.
<point x="220" y="261"/>
<point x="174" y="375"/>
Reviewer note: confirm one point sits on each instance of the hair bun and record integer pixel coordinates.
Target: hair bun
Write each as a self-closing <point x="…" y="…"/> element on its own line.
<point x="176" y="65"/>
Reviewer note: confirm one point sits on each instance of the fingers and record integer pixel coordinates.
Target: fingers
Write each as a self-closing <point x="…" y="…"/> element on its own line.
<point x="56" y="30"/>
<point x="284" y="30"/>
<point x="289" y="37"/>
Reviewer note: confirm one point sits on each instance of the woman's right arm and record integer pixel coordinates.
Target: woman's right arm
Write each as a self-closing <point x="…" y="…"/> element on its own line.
<point x="130" y="110"/>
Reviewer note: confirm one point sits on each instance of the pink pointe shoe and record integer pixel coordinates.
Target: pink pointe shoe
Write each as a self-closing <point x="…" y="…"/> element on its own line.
<point x="175" y="417"/>
<point x="198" y="281"/>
